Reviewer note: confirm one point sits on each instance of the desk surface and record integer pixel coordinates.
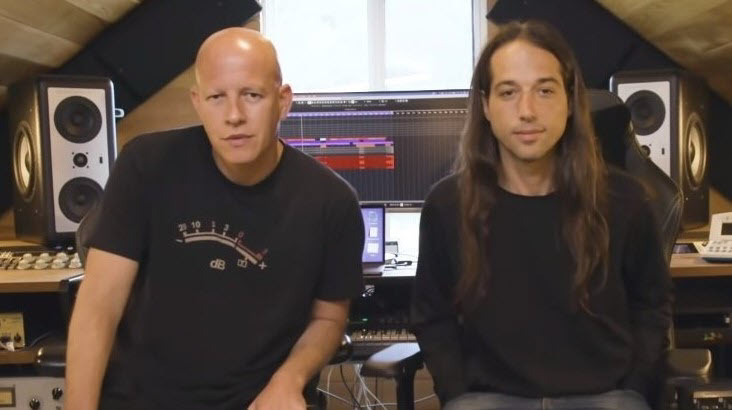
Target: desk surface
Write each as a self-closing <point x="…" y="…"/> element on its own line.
<point x="52" y="280"/>
<point x="31" y="281"/>
<point x="683" y="265"/>
<point x="690" y="265"/>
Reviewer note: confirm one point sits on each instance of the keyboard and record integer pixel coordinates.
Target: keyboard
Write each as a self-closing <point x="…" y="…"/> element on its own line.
<point x="369" y="341"/>
<point x="380" y="318"/>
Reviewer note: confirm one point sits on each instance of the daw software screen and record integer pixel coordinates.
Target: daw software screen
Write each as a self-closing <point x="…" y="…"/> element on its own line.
<point x="391" y="146"/>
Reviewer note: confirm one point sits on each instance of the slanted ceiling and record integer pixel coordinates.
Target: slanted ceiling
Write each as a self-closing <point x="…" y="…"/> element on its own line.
<point x="39" y="35"/>
<point x="697" y="34"/>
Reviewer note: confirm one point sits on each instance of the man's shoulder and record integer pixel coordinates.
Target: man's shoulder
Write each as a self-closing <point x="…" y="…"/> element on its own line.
<point x="154" y="152"/>
<point x="317" y="175"/>
<point x="161" y="142"/>
<point x="444" y="193"/>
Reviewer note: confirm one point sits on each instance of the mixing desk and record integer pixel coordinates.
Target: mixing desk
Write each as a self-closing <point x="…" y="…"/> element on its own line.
<point x="38" y="260"/>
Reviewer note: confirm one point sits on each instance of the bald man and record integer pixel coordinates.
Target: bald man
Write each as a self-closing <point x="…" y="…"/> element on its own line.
<point x="223" y="262"/>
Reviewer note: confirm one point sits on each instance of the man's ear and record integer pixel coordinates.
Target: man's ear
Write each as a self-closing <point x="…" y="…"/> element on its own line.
<point x="285" y="96"/>
<point x="195" y="100"/>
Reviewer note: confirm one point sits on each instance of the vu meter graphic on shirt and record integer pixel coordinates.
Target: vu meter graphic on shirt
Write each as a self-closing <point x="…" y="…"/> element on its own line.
<point x="196" y="231"/>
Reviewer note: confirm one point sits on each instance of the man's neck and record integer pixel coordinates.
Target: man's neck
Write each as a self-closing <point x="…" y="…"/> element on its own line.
<point x="255" y="172"/>
<point x="534" y="178"/>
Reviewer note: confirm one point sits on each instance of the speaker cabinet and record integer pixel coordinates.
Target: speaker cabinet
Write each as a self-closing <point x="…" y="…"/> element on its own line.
<point x="669" y="115"/>
<point x="63" y="146"/>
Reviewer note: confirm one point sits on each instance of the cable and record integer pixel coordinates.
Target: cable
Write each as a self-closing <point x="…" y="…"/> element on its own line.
<point x="383" y="405"/>
<point x="360" y="398"/>
<point x="39" y="338"/>
<point x="421" y="399"/>
<point x="327" y="380"/>
<point x="394" y="262"/>
<point x="368" y="391"/>
<point x="335" y="396"/>
<point x="350" y="391"/>
<point x="414" y="257"/>
<point x="10" y="345"/>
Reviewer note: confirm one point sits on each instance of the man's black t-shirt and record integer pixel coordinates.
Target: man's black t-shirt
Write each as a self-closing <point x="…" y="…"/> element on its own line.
<point x="227" y="274"/>
<point x="527" y="338"/>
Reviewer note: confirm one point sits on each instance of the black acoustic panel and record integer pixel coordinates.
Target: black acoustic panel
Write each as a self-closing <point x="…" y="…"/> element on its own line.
<point x="154" y="43"/>
<point x="601" y="42"/>
<point x="645" y="56"/>
<point x="88" y="63"/>
<point x="6" y="179"/>
<point x="720" y="145"/>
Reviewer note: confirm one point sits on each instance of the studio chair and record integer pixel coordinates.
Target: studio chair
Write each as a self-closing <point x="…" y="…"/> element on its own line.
<point x="51" y="359"/>
<point x="683" y="367"/>
<point x="399" y="362"/>
<point x="620" y="147"/>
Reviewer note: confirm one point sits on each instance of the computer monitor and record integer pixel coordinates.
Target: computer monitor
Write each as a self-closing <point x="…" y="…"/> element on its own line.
<point x="391" y="146"/>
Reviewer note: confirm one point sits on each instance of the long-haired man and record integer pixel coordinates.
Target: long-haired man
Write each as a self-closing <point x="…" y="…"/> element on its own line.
<point x="541" y="279"/>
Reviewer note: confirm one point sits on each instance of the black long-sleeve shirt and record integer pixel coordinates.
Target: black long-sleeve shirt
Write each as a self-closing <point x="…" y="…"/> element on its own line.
<point x="526" y="338"/>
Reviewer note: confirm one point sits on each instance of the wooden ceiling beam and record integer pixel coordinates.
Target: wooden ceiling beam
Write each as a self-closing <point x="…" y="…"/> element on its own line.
<point x="54" y="17"/>
<point x="33" y="45"/>
<point x="696" y="34"/>
<point x="653" y="18"/>
<point x="15" y="69"/>
<point x="107" y="10"/>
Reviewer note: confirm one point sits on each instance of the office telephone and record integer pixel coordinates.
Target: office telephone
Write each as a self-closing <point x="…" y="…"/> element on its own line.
<point x="719" y="246"/>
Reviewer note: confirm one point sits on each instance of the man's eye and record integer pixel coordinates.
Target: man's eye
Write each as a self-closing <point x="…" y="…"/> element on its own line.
<point x="546" y="91"/>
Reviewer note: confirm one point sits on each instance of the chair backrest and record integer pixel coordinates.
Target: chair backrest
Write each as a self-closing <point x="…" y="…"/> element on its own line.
<point x="620" y="147"/>
<point x="84" y="231"/>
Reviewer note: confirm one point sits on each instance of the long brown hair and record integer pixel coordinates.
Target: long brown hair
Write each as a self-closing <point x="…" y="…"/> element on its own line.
<point x="579" y="175"/>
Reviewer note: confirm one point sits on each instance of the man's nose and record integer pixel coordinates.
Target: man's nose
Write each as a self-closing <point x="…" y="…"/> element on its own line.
<point x="526" y="107"/>
<point x="235" y="114"/>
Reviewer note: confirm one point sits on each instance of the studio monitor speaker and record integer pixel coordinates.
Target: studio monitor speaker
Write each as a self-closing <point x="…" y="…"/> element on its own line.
<point x="669" y="115"/>
<point x="63" y="146"/>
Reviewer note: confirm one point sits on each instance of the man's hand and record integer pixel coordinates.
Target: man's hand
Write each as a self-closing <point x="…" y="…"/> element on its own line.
<point x="281" y="393"/>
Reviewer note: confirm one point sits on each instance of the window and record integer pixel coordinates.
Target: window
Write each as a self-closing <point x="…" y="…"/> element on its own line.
<point x="374" y="45"/>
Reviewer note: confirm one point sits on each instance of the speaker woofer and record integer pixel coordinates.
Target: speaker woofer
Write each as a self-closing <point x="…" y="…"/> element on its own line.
<point x="77" y="119"/>
<point x="77" y="196"/>
<point x="24" y="168"/>
<point x="647" y="111"/>
<point x="696" y="151"/>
